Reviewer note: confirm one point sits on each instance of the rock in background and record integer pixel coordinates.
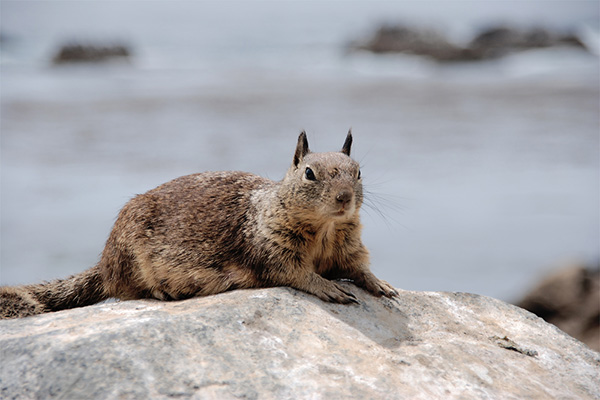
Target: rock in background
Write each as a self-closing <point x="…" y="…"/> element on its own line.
<point x="283" y="344"/>
<point x="490" y="43"/>
<point x="570" y="299"/>
<point x="91" y="53"/>
<point x="420" y="42"/>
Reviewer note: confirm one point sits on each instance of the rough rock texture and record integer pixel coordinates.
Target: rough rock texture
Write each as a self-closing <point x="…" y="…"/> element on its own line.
<point x="570" y="299"/>
<point x="280" y="343"/>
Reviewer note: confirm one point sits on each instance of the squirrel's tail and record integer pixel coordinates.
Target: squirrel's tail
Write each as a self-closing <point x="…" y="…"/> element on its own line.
<point x="78" y="290"/>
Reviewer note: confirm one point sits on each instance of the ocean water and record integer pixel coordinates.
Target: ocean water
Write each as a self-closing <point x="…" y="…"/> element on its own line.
<point x="480" y="177"/>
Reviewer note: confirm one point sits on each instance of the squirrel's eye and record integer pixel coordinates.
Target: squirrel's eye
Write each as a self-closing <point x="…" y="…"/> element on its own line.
<point x="310" y="175"/>
<point x="358" y="175"/>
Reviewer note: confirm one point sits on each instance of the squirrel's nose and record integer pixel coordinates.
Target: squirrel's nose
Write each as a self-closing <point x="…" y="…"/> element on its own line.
<point x="344" y="197"/>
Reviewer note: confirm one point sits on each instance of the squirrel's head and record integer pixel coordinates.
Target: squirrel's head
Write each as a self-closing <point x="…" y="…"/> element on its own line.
<point x="328" y="184"/>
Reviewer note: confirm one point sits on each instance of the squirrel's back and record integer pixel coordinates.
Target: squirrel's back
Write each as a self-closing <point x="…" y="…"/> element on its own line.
<point x="181" y="236"/>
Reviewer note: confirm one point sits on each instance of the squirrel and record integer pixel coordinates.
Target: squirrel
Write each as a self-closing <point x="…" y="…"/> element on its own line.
<point x="211" y="232"/>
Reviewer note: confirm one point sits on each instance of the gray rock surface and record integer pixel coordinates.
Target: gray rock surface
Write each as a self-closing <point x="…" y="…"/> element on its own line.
<point x="280" y="343"/>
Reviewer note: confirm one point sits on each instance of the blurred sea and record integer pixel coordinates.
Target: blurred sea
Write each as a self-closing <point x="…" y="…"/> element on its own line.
<point x="480" y="177"/>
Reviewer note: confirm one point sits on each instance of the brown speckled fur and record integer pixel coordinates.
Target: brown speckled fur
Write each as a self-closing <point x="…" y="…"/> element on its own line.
<point x="208" y="233"/>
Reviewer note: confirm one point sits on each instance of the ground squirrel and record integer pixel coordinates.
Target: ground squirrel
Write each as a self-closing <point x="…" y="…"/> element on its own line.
<point x="211" y="232"/>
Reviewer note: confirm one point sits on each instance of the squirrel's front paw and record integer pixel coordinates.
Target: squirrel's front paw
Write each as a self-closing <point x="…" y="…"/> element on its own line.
<point x="380" y="288"/>
<point x="334" y="293"/>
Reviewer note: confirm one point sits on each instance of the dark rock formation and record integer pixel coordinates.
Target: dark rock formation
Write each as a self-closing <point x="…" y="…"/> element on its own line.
<point x="498" y="41"/>
<point x="490" y="43"/>
<point x="73" y="53"/>
<point x="402" y="39"/>
<point x="569" y="299"/>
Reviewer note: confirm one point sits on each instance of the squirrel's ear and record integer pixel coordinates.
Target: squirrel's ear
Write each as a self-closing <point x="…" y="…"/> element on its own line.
<point x="347" y="144"/>
<point x="301" y="148"/>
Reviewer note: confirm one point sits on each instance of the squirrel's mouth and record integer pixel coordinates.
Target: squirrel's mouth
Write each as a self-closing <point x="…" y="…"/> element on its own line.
<point x="341" y="212"/>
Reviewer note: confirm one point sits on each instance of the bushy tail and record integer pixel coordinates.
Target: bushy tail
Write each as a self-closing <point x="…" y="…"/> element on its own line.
<point x="78" y="290"/>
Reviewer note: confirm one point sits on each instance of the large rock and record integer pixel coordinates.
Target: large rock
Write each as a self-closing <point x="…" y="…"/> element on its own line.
<point x="283" y="344"/>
